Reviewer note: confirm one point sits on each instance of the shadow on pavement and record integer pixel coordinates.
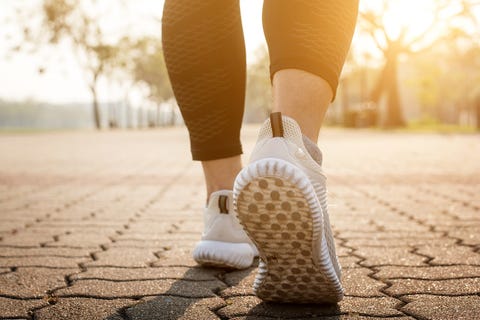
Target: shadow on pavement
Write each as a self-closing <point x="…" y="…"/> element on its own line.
<point x="289" y="311"/>
<point x="185" y="296"/>
<point x="195" y="295"/>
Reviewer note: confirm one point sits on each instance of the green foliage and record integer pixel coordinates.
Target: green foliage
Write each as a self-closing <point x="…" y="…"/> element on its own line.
<point x="56" y="14"/>
<point x="69" y="21"/>
<point x="434" y="83"/>
<point x="425" y="83"/>
<point x="147" y="66"/>
<point x="428" y="124"/>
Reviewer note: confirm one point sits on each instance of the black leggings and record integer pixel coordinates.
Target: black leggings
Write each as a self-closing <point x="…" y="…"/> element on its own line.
<point x="205" y="56"/>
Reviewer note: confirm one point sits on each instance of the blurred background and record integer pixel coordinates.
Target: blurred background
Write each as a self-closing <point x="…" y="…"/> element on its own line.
<point x="67" y="64"/>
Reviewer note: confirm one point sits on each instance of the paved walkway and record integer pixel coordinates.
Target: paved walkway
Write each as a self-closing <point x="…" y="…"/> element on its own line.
<point x="101" y="225"/>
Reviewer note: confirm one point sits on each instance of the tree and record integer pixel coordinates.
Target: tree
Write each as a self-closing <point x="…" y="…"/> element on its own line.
<point x="463" y="56"/>
<point x="148" y="66"/>
<point x="69" y="21"/>
<point x="145" y="64"/>
<point x="404" y="40"/>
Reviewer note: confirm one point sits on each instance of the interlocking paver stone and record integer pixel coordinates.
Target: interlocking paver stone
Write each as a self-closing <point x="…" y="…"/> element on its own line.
<point x="357" y="283"/>
<point x="9" y="227"/>
<point x="412" y="286"/>
<point x="352" y="316"/>
<point x="82" y="308"/>
<point x="399" y="242"/>
<point x="158" y="236"/>
<point x="149" y="227"/>
<point x="155" y="244"/>
<point x="386" y="235"/>
<point x="5" y="270"/>
<point x="349" y="262"/>
<point x="109" y="273"/>
<point x="377" y="256"/>
<point x="14" y="308"/>
<point x="127" y="289"/>
<point x="80" y="240"/>
<point x="239" y="283"/>
<point x="123" y="257"/>
<point x="75" y="228"/>
<point x="93" y="221"/>
<point x="443" y="307"/>
<point x="33" y="282"/>
<point x="380" y="306"/>
<point x="24" y="238"/>
<point x="171" y="307"/>
<point x="343" y="251"/>
<point x="43" y="251"/>
<point x="433" y="273"/>
<point x="252" y="306"/>
<point x="450" y="255"/>
<point x="177" y="257"/>
<point x="469" y="236"/>
<point x="53" y="262"/>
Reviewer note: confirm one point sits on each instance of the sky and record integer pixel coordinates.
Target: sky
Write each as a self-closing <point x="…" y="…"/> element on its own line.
<point x="62" y="81"/>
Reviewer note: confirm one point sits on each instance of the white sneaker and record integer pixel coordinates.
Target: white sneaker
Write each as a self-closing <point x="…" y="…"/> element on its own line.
<point x="224" y="243"/>
<point x="281" y="201"/>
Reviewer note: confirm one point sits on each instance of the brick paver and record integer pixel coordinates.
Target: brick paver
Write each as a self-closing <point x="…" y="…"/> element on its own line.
<point x="100" y="225"/>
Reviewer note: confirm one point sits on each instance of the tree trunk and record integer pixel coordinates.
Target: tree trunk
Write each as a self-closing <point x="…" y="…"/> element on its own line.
<point x="159" y="118"/>
<point x="96" y="107"/>
<point x="173" y="116"/>
<point x="347" y="114"/>
<point x="388" y="84"/>
<point x="394" y="109"/>
<point x="140" y="118"/>
<point x="111" y="115"/>
<point x="377" y="91"/>
<point x="477" y="111"/>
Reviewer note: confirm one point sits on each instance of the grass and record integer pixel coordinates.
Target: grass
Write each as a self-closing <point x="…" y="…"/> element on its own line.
<point x="433" y="126"/>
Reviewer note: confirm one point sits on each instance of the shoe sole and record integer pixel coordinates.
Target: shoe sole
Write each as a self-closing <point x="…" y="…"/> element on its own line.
<point x="220" y="254"/>
<point x="278" y="208"/>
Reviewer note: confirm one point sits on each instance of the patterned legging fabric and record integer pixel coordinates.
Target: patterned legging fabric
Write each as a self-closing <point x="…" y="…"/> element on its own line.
<point x="205" y="56"/>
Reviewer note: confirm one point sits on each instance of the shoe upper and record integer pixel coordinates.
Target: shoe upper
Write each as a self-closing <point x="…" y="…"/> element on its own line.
<point x="290" y="147"/>
<point x="220" y="224"/>
<point x="297" y="149"/>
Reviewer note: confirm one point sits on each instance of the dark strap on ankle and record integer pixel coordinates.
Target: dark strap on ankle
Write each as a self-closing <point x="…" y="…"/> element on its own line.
<point x="222" y="204"/>
<point x="277" y="124"/>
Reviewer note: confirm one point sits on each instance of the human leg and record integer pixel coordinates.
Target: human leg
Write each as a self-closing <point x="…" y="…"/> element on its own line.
<point x="220" y="173"/>
<point x="281" y="196"/>
<point x="302" y="96"/>
<point x="308" y="41"/>
<point x="205" y="57"/>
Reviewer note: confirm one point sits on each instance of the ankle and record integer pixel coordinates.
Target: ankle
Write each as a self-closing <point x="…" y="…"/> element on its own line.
<point x="220" y="174"/>
<point x="303" y="97"/>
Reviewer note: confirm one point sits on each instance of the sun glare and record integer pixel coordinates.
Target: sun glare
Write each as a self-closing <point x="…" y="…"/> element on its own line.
<point x="411" y="17"/>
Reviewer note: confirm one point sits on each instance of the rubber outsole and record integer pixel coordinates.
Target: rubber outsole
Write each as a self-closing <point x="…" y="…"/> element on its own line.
<point x="278" y="208"/>
<point x="223" y="254"/>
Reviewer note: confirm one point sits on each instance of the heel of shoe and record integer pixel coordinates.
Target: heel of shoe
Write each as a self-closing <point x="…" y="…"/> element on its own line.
<point x="277" y="205"/>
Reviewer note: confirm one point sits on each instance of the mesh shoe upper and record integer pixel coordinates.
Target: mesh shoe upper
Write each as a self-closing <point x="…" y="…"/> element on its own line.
<point x="219" y="223"/>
